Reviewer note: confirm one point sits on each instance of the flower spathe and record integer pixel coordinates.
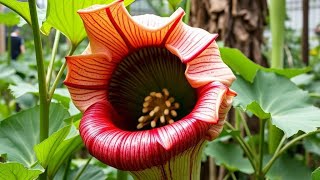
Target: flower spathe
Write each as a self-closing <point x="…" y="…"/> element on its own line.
<point x="130" y="57"/>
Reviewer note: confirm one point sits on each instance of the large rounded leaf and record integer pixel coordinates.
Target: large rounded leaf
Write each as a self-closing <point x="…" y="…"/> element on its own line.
<point x="276" y="97"/>
<point x="19" y="133"/>
<point x="62" y="15"/>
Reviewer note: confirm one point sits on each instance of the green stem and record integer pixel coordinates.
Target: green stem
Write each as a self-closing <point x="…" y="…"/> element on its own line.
<point x="82" y="169"/>
<point x="59" y="75"/>
<point x="277" y="17"/>
<point x="186" y="18"/>
<point x="66" y="171"/>
<point x="233" y="176"/>
<point x="246" y="148"/>
<point x="282" y="150"/>
<point x="9" y="46"/>
<point x="261" y="147"/>
<point x="44" y="104"/>
<point x="122" y="175"/>
<point x="53" y="57"/>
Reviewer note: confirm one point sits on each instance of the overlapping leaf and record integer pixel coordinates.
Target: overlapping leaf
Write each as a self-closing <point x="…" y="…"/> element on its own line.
<point x="22" y="8"/>
<point x="229" y="156"/>
<point x="17" y="171"/>
<point x="240" y="64"/>
<point x="62" y="15"/>
<point x="276" y="97"/>
<point x="19" y="133"/>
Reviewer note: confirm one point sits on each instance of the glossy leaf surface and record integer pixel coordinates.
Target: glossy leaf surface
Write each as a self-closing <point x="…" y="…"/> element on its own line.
<point x="17" y="171"/>
<point x="19" y="133"/>
<point x="240" y="64"/>
<point x="62" y="15"/>
<point x="287" y="104"/>
<point x="229" y="156"/>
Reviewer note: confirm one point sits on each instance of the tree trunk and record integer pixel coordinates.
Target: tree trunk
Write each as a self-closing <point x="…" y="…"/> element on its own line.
<point x="239" y="23"/>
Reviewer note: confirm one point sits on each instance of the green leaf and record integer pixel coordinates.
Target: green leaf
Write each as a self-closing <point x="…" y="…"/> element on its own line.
<point x="65" y="149"/>
<point x="6" y="71"/>
<point x="62" y="15"/>
<point x="312" y="144"/>
<point x="53" y="152"/>
<point x="22" y="89"/>
<point x="240" y="64"/>
<point x="22" y="8"/>
<point x="19" y="133"/>
<point x="17" y="171"/>
<point x="287" y="104"/>
<point x="229" y="156"/>
<point x="9" y="19"/>
<point x="287" y="168"/>
<point x="46" y="149"/>
<point x="92" y="172"/>
<point x="61" y="95"/>
<point x="316" y="174"/>
<point x="174" y="3"/>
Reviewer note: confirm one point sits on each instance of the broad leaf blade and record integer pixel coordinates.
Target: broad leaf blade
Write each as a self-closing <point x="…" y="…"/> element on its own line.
<point x="17" y="171"/>
<point x="239" y="63"/>
<point x="22" y="8"/>
<point x="287" y="168"/>
<point x="9" y="19"/>
<point x="46" y="149"/>
<point x="287" y="104"/>
<point x="229" y="156"/>
<point x="65" y="149"/>
<point x="62" y="15"/>
<point x="19" y="133"/>
<point x="316" y="174"/>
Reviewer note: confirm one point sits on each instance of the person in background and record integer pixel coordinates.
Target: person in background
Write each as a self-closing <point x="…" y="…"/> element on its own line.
<point x="17" y="45"/>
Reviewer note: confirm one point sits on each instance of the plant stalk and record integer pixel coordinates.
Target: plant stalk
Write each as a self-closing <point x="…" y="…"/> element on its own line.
<point x="44" y="104"/>
<point x="82" y="169"/>
<point x="186" y="17"/>
<point x="53" y="57"/>
<point x="59" y="75"/>
<point x="277" y="10"/>
<point x="284" y="148"/>
<point x="261" y="147"/>
<point x="9" y="46"/>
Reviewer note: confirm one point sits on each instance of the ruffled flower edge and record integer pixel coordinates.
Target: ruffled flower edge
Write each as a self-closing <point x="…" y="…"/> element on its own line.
<point x="139" y="150"/>
<point x="114" y="34"/>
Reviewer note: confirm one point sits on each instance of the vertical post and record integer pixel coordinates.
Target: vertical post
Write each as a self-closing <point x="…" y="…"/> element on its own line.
<point x="305" y="31"/>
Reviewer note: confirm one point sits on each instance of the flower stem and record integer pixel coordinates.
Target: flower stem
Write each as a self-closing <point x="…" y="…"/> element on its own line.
<point x="59" y="75"/>
<point x="261" y="143"/>
<point x="9" y="46"/>
<point x="283" y="149"/>
<point x="53" y="57"/>
<point x="186" y="18"/>
<point x="44" y="104"/>
<point x="277" y="17"/>
<point x="246" y="148"/>
<point x="83" y="168"/>
<point x="122" y="175"/>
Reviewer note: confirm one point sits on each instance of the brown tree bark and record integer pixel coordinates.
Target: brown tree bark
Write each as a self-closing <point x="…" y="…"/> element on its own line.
<point x="239" y="23"/>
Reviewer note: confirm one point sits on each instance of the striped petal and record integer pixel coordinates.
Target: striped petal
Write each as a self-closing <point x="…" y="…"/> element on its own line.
<point x="111" y="28"/>
<point x="188" y="42"/>
<point x="137" y="150"/>
<point x="213" y="102"/>
<point x="208" y="67"/>
<point x="88" y="77"/>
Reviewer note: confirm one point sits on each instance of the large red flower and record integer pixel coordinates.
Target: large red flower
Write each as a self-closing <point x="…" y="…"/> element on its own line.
<point x="152" y="89"/>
